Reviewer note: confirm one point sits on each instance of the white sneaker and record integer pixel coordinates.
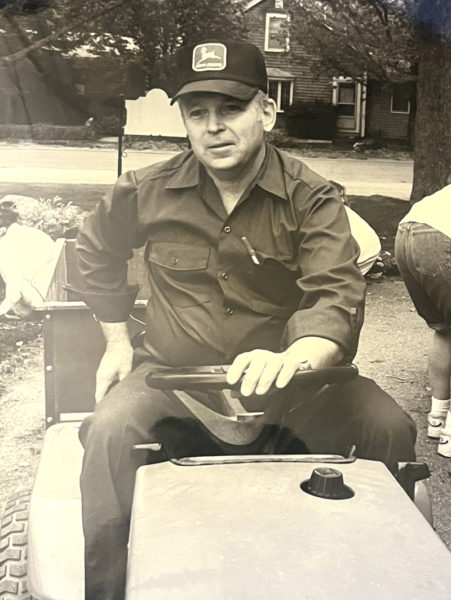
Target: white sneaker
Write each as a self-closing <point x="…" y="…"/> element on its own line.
<point x="436" y="422"/>
<point x="444" y="444"/>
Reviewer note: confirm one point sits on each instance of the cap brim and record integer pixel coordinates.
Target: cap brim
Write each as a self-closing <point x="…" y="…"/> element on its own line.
<point x="234" y="89"/>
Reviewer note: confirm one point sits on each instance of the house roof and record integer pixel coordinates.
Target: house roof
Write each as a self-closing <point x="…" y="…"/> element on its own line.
<point x="252" y="3"/>
<point x="276" y="73"/>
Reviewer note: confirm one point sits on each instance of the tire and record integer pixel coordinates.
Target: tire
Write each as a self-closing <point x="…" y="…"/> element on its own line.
<point x="13" y="548"/>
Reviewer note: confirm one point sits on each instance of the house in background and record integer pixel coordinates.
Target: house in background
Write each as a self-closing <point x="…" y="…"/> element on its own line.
<point x="51" y="88"/>
<point x="362" y="108"/>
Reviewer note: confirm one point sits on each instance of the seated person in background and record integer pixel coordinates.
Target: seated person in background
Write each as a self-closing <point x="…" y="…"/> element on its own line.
<point x="423" y="254"/>
<point x="251" y="263"/>
<point x="27" y="258"/>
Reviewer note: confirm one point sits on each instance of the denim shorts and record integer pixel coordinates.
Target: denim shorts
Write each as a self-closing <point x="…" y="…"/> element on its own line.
<point x="423" y="255"/>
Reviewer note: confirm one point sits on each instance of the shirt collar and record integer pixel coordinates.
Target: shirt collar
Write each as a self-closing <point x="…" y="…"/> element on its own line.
<point x="270" y="178"/>
<point x="187" y="175"/>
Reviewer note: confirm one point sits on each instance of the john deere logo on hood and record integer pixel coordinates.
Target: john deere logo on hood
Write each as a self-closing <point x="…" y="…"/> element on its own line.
<point x="209" y="57"/>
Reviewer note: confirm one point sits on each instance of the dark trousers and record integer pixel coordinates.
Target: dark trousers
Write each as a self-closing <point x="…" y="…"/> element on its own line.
<point x="326" y="421"/>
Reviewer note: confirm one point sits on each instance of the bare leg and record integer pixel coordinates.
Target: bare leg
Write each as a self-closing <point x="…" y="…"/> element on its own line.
<point x="439" y="362"/>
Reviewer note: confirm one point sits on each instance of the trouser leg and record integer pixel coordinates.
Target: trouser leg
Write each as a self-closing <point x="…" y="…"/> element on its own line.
<point x="125" y="417"/>
<point x="359" y="413"/>
<point x="327" y="421"/>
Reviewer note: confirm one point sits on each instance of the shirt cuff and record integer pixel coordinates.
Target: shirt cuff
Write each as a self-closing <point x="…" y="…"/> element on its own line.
<point x="340" y="325"/>
<point x="109" y="307"/>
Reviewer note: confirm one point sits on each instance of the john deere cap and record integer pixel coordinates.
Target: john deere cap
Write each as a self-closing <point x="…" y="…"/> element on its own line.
<point x="236" y="69"/>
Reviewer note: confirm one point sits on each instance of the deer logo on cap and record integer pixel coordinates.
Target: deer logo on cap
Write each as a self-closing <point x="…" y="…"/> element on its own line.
<point x="209" y="57"/>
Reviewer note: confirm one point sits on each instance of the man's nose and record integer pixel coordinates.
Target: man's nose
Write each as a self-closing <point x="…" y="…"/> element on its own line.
<point x="214" y="122"/>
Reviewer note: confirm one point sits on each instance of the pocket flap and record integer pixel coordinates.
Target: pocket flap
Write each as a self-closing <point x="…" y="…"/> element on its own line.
<point x="179" y="257"/>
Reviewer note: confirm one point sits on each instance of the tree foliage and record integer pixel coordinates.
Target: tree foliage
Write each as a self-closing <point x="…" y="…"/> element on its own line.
<point x="147" y="31"/>
<point x="356" y="36"/>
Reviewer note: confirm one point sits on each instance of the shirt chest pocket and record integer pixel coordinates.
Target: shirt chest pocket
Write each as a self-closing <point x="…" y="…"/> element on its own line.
<point x="273" y="282"/>
<point x="179" y="273"/>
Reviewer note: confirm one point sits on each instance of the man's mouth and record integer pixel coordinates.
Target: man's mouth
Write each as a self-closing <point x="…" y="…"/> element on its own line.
<point x="220" y="145"/>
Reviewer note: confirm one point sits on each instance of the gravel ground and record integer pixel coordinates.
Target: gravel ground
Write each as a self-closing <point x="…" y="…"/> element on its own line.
<point x="21" y="417"/>
<point x="392" y="351"/>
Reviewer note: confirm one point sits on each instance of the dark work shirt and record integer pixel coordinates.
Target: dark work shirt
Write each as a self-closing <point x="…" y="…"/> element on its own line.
<point x="210" y="299"/>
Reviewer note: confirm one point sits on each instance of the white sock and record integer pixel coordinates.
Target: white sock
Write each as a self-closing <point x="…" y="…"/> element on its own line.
<point x="448" y="421"/>
<point x="439" y="406"/>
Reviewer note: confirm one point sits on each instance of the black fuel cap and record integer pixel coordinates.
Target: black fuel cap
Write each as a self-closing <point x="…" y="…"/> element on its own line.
<point x="326" y="482"/>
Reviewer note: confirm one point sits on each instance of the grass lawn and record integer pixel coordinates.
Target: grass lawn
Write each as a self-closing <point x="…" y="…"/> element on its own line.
<point x="383" y="214"/>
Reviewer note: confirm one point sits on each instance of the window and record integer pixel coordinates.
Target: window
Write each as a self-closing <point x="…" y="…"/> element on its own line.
<point x="281" y="92"/>
<point x="400" y="101"/>
<point x="346" y="99"/>
<point x="276" y="33"/>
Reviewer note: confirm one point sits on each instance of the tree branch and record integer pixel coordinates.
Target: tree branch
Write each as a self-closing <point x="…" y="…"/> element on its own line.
<point x="22" y="54"/>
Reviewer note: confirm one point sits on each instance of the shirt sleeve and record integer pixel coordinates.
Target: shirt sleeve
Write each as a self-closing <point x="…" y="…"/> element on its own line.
<point x="333" y="289"/>
<point x="104" y="245"/>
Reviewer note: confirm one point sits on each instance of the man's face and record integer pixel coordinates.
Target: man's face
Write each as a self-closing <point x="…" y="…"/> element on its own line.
<point x="226" y="134"/>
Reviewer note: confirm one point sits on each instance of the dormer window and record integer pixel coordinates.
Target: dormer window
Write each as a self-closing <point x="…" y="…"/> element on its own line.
<point x="276" y="33"/>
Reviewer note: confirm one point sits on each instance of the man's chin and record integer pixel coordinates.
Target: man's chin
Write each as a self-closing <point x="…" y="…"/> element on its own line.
<point x="226" y="163"/>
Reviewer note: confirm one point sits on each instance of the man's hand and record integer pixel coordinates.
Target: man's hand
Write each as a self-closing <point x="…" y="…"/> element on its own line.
<point x="117" y="360"/>
<point x="262" y="368"/>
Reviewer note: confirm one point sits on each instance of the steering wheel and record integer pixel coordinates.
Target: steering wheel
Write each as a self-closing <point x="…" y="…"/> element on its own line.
<point x="213" y="377"/>
<point x="232" y="423"/>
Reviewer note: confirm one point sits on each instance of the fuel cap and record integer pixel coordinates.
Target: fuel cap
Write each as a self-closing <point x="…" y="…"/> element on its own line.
<point x="326" y="482"/>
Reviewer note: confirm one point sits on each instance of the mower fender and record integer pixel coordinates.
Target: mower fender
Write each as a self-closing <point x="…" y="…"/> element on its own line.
<point x="55" y="538"/>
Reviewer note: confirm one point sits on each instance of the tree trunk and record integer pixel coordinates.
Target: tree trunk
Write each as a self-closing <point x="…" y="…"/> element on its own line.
<point x="433" y="121"/>
<point x="412" y="121"/>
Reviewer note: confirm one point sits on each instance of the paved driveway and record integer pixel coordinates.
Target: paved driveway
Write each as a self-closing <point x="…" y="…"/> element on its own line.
<point x="31" y="163"/>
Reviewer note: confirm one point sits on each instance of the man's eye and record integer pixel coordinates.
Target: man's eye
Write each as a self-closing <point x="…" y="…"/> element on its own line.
<point x="233" y="108"/>
<point x="196" y="113"/>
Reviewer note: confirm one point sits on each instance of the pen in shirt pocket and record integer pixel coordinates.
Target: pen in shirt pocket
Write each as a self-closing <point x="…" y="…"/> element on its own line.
<point x="250" y="250"/>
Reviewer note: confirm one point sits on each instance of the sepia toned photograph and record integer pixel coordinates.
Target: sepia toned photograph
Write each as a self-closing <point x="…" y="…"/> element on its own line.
<point x="225" y="299"/>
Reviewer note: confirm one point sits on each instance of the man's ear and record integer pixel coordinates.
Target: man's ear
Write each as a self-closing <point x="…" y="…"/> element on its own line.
<point x="269" y="114"/>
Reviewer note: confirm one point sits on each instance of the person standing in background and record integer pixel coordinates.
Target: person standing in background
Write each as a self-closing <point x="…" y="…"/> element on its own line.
<point x="423" y="254"/>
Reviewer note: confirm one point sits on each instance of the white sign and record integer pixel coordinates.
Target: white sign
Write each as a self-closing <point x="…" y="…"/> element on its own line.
<point x="153" y="115"/>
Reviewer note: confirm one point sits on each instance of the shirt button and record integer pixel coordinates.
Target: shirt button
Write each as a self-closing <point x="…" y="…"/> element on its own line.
<point x="227" y="229"/>
<point x="229" y="311"/>
<point x="225" y="275"/>
<point x="174" y="261"/>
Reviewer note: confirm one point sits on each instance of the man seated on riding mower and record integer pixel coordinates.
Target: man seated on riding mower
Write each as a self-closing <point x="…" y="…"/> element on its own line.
<point x="251" y="263"/>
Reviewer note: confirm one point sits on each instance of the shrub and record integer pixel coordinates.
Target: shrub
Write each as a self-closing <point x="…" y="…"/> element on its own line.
<point x="314" y="120"/>
<point x="279" y="138"/>
<point x="106" y="125"/>
<point x="45" y="131"/>
<point x="51" y="215"/>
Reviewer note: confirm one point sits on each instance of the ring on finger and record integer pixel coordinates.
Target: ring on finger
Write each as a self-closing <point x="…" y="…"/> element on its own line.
<point x="304" y="365"/>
